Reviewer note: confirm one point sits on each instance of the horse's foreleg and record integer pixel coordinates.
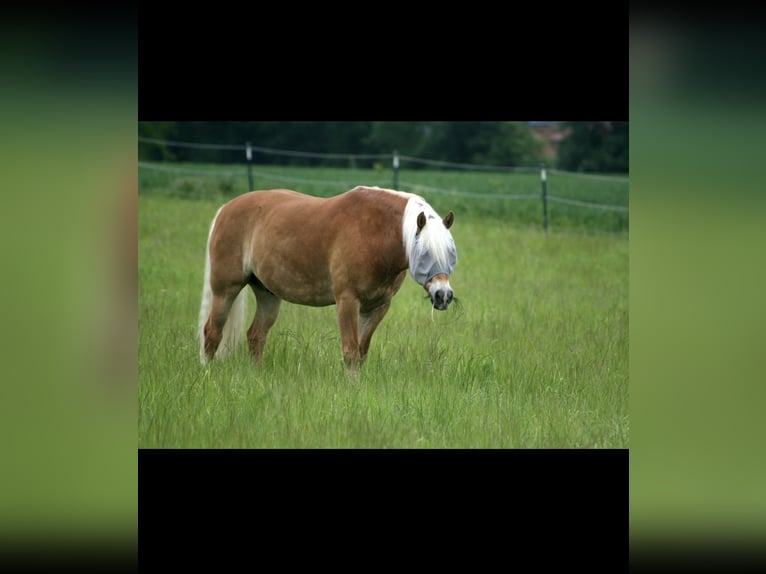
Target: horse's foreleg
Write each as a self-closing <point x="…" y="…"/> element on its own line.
<point x="266" y="314"/>
<point x="348" y="321"/>
<point x="368" y="322"/>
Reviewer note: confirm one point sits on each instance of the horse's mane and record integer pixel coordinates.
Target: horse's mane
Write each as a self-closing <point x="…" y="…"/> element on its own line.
<point x="434" y="234"/>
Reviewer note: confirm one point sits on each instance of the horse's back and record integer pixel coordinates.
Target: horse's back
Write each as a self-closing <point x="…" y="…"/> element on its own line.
<point x="281" y="209"/>
<point x="268" y="200"/>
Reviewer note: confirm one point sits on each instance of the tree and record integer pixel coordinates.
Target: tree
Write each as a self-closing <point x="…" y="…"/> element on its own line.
<point x="507" y="144"/>
<point x="595" y="147"/>
<point x="159" y="131"/>
<point x="483" y="143"/>
<point x="405" y="137"/>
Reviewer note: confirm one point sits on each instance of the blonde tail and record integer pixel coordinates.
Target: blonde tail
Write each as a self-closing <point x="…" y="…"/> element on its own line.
<point x="234" y="329"/>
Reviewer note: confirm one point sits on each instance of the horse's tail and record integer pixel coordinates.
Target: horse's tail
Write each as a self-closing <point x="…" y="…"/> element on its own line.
<point x="234" y="328"/>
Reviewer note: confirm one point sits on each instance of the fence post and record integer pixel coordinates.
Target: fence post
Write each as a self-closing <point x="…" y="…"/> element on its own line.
<point x="545" y="197"/>
<point x="249" y="153"/>
<point x="396" y="170"/>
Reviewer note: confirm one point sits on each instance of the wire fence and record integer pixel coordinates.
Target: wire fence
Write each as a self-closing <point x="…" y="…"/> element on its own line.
<point x="351" y="156"/>
<point x="396" y="161"/>
<point x="257" y="173"/>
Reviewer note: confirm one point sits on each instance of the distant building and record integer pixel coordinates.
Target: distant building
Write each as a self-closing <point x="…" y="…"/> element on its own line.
<point x="551" y="134"/>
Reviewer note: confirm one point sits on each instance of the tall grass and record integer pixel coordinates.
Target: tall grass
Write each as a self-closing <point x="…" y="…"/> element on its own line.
<point x="535" y="355"/>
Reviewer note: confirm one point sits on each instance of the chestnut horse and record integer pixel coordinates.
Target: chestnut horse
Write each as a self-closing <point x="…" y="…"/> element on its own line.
<point x="352" y="250"/>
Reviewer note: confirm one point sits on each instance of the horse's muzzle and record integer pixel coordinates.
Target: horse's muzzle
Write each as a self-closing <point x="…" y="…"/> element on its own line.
<point x="441" y="298"/>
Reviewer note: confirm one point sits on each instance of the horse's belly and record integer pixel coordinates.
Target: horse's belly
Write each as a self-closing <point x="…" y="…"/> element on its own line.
<point x="308" y="298"/>
<point x="297" y="286"/>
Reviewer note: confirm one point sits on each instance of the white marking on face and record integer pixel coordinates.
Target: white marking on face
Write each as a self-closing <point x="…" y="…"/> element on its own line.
<point x="441" y="293"/>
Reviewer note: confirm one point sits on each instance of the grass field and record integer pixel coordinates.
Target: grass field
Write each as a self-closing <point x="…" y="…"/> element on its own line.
<point x="535" y="355"/>
<point x="471" y="194"/>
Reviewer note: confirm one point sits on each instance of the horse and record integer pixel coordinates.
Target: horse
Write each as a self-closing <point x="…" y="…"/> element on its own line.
<point x="352" y="250"/>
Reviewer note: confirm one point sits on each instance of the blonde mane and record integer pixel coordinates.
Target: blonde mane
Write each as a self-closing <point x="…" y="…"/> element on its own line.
<point x="434" y="237"/>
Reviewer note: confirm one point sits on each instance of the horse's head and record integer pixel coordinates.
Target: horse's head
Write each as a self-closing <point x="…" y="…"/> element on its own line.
<point x="434" y="256"/>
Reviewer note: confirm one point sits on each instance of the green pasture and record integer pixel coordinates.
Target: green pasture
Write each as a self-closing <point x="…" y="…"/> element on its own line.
<point x="479" y="194"/>
<point x="535" y="355"/>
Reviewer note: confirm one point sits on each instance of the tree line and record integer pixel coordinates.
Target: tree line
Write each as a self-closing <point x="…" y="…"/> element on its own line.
<point x="587" y="146"/>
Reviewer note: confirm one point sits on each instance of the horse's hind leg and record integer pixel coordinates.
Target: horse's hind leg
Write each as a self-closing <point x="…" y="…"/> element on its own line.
<point x="266" y="313"/>
<point x="219" y="312"/>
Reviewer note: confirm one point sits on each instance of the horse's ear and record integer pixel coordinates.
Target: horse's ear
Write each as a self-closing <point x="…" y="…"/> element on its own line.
<point x="421" y="221"/>
<point x="449" y="219"/>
